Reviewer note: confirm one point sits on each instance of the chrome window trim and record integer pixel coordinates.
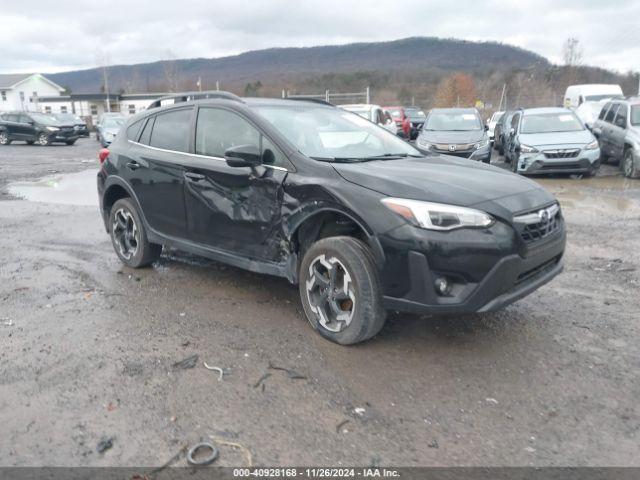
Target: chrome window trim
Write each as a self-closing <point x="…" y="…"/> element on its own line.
<point x="534" y="217"/>
<point x="195" y="155"/>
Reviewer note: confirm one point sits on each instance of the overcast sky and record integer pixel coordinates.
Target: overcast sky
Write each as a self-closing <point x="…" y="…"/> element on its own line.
<point x="40" y="37"/>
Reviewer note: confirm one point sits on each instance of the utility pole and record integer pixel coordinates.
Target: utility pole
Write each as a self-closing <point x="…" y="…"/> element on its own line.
<point x="106" y="86"/>
<point x="217" y="84"/>
<point x="504" y="87"/>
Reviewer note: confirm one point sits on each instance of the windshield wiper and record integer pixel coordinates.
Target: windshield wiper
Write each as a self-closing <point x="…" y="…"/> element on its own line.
<point x="386" y="156"/>
<point x="338" y="159"/>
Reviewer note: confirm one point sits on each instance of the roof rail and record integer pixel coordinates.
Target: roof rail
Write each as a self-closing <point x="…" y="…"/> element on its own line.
<point x="191" y="96"/>
<point x="314" y="100"/>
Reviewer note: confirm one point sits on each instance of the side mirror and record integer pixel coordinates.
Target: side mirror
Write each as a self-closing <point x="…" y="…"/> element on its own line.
<point x="243" y="156"/>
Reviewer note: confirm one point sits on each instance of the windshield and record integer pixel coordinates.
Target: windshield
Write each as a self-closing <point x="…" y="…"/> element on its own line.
<point x="597" y="98"/>
<point x="635" y="115"/>
<point x="363" y="112"/>
<point x="497" y="116"/>
<point x="551" y="122"/>
<point x="453" y="121"/>
<point x="415" y="113"/>
<point x="68" y="117"/>
<point x="113" y="122"/>
<point x="44" y="119"/>
<point x="332" y="134"/>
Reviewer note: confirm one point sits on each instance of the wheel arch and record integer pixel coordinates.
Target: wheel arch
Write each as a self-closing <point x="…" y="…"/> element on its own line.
<point x="330" y="222"/>
<point x="116" y="188"/>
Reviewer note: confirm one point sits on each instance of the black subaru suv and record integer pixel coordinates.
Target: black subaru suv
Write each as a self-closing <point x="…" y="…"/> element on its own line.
<point x="358" y="218"/>
<point x="33" y="127"/>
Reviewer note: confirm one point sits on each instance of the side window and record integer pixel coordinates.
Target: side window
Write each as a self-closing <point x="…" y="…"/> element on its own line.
<point x="171" y="130"/>
<point x="271" y="155"/>
<point x="146" y="133"/>
<point x="603" y="112"/>
<point x="218" y="130"/>
<point x="611" y="113"/>
<point x="514" y="122"/>
<point x="24" y="119"/>
<point x="621" y="116"/>
<point x="133" y="130"/>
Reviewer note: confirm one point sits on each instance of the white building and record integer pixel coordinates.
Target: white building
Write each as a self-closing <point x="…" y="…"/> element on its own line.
<point x="22" y="91"/>
<point x="89" y="106"/>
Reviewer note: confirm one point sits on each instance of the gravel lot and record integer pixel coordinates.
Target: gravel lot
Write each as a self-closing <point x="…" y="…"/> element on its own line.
<point x="88" y="348"/>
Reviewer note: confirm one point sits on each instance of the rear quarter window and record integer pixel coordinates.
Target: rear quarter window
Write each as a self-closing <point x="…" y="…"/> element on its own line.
<point x="133" y="130"/>
<point x="171" y="130"/>
<point x="611" y="113"/>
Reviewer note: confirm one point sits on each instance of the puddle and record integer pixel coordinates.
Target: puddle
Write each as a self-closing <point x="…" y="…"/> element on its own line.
<point x="608" y="193"/>
<point x="68" y="189"/>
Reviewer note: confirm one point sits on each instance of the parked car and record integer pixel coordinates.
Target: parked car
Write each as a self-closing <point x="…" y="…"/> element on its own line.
<point x="551" y="140"/>
<point x="618" y="133"/>
<point x="402" y="121"/>
<point x="455" y="131"/>
<point x="33" y="127"/>
<point x="373" y="113"/>
<point x="107" y="128"/>
<point x="576" y="95"/>
<point x="79" y="125"/>
<point x="357" y="217"/>
<point x="416" y="117"/>
<point x="491" y="125"/>
<point x="502" y="126"/>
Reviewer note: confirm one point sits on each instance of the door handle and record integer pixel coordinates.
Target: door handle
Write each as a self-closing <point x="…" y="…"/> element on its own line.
<point x="133" y="165"/>
<point x="193" y="177"/>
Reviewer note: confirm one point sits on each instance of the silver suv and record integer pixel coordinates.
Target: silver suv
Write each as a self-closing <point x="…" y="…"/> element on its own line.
<point x="618" y="132"/>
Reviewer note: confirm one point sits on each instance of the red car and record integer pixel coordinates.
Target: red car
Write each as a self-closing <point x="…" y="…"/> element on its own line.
<point x="401" y="119"/>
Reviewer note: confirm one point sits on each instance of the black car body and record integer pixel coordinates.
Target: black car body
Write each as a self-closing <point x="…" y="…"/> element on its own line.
<point x="35" y="128"/>
<point x="417" y="117"/>
<point x="455" y="131"/>
<point x="271" y="210"/>
<point x="502" y="126"/>
<point x="79" y="125"/>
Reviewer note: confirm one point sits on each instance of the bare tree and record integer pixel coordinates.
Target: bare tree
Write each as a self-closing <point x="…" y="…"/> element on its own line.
<point x="171" y="73"/>
<point x="572" y="52"/>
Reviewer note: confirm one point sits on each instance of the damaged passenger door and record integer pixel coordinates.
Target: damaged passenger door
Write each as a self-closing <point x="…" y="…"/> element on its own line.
<point x="234" y="208"/>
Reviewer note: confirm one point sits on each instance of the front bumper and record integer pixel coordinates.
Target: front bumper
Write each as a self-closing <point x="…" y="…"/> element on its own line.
<point x="70" y="136"/>
<point x="587" y="161"/>
<point x="488" y="269"/>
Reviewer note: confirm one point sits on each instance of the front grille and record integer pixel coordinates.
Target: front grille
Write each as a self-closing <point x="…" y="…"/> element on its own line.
<point x="566" y="153"/>
<point x="540" y="223"/>
<point x="539" y="270"/>
<point x="459" y="147"/>
<point x="560" y="167"/>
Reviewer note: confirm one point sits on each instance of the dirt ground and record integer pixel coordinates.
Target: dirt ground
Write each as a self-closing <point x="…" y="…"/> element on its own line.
<point x="87" y="349"/>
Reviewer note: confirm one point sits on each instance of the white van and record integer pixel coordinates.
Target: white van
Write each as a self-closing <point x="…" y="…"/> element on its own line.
<point x="587" y="100"/>
<point x="576" y="95"/>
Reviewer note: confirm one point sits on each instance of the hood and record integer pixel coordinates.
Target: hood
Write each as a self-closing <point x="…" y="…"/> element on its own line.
<point x="471" y="136"/>
<point x="111" y="130"/>
<point x="555" y="139"/>
<point x="450" y="180"/>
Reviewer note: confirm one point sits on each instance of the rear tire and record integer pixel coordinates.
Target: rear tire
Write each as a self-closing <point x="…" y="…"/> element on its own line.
<point x="4" y="139"/>
<point x="30" y="142"/>
<point x="628" y="166"/>
<point x="129" y="237"/>
<point x="340" y="290"/>
<point x="70" y="142"/>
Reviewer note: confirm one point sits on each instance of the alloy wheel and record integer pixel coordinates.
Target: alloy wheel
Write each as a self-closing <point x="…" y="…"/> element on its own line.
<point x="331" y="293"/>
<point x="4" y="139"/>
<point x="125" y="233"/>
<point x="628" y="164"/>
<point x="43" y="139"/>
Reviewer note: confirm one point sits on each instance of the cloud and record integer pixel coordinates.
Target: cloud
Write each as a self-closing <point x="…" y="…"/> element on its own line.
<point x="76" y="34"/>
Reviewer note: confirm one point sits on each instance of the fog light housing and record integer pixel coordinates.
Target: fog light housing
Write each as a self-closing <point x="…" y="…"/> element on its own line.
<point x="442" y="286"/>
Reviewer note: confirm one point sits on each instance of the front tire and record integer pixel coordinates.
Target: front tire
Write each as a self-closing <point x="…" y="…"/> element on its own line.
<point x="629" y="168"/>
<point x="43" y="139"/>
<point x="340" y="290"/>
<point x="129" y="237"/>
<point x="4" y="139"/>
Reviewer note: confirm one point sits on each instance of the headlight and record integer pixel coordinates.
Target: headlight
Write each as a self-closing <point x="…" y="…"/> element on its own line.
<point x="591" y="146"/>
<point x="482" y="143"/>
<point x="436" y="216"/>
<point x="53" y="129"/>
<point x="109" y="135"/>
<point x="424" y="144"/>
<point x="527" y="149"/>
